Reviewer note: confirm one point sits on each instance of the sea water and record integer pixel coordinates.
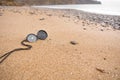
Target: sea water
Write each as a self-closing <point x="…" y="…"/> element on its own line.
<point x="109" y="9"/>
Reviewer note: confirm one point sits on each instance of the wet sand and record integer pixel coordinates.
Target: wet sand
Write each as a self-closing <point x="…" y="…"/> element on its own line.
<point x="94" y="56"/>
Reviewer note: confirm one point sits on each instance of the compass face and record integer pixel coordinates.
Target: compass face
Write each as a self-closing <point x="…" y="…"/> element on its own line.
<point x="42" y="35"/>
<point x="32" y="38"/>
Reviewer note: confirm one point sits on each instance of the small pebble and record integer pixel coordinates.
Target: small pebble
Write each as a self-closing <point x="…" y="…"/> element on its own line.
<point x="101" y="30"/>
<point x="84" y="28"/>
<point x="50" y="39"/>
<point x="104" y="58"/>
<point x="49" y="14"/>
<point x="73" y="42"/>
<point x="100" y="70"/>
<point x="80" y="52"/>
<point x="116" y="68"/>
<point x="31" y="13"/>
<point x="42" y="18"/>
<point x="103" y="24"/>
<point x="75" y="49"/>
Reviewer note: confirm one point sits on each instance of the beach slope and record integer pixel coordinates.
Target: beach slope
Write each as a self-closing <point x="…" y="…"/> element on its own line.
<point x="76" y="49"/>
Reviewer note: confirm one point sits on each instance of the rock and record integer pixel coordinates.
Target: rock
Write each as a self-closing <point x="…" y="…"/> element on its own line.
<point x="31" y="13"/>
<point x="66" y="16"/>
<point x="73" y="42"/>
<point x="104" y="58"/>
<point x="103" y="24"/>
<point x="49" y="14"/>
<point x="116" y="26"/>
<point x="100" y="70"/>
<point x="101" y="30"/>
<point x="84" y="28"/>
<point x="50" y="39"/>
<point x="42" y="18"/>
<point x="78" y="17"/>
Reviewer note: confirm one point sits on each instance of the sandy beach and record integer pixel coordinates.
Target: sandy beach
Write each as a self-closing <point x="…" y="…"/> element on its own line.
<point x="95" y="56"/>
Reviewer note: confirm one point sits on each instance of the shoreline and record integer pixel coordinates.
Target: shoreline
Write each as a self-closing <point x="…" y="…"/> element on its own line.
<point x="102" y="19"/>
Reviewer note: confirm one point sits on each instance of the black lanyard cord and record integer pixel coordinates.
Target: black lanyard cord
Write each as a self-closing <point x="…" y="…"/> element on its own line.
<point x="28" y="47"/>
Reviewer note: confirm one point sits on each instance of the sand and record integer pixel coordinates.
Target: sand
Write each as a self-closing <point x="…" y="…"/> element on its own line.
<point x="96" y="56"/>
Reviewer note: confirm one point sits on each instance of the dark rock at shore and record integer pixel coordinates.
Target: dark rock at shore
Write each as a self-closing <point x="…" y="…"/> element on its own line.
<point x="103" y="24"/>
<point x="104" y="20"/>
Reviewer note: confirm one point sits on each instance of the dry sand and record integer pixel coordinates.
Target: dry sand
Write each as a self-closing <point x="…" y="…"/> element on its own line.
<point x="95" y="57"/>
